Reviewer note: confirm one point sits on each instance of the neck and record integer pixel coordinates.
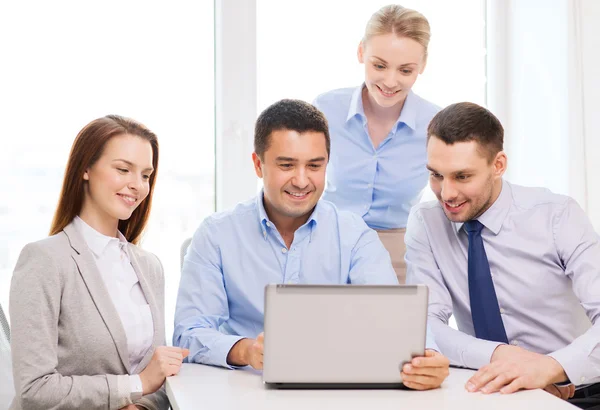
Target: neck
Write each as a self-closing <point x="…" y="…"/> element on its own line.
<point x="101" y="222"/>
<point x="286" y="225"/>
<point x="496" y="189"/>
<point x="377" y="112"/>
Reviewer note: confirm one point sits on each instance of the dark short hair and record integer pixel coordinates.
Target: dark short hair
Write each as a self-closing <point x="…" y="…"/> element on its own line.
<point x="293" y="115"/>
<point x="465" y="121"/>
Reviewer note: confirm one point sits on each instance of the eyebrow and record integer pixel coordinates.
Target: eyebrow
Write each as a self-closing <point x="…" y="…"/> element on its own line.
<point x="459" y="172"/>
<point x="290" y="159"/>
<point x="402" y="65"/>
<point x="131" y="164"/>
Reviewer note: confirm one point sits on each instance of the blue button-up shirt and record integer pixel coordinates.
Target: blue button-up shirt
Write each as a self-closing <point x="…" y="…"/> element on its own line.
<point x="235" y="254"/>
<point x="380" y="184"/>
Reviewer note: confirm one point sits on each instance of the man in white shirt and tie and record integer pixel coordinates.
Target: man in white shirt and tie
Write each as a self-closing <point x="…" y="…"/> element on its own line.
<point x="518" y="267"/>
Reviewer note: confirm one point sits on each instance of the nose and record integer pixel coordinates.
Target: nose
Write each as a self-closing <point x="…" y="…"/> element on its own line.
<point x="390" y="80"/>
<point x="300" y="179"/>
<point x="449" y="191"/>
<point x="136" y="182"/>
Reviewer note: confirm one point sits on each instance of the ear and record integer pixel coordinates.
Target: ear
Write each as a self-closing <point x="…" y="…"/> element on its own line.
<point x="257" y="165"/>
<point x="500" y="163"/>
<point x="360" y="52"/>
<point x="86" y="176"/>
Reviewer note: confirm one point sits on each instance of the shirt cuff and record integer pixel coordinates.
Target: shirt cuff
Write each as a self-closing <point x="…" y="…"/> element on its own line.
<point x="478" y="353"/>
<point x="575" y="364"/>
<point x="217" y="354"/>
<point x="135" y="384"/>
<point x="123" y="390"/>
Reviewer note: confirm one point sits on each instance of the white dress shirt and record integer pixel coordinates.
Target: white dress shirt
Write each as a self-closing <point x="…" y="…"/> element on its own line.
<point x="113" y="262"/>
<point x="544" y="259"/>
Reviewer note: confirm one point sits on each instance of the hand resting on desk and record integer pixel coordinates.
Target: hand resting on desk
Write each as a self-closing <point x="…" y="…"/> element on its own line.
<point x="513" y="368"/>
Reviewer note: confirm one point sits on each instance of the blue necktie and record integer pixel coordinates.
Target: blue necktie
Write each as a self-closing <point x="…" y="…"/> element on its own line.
<point x="484" y="303"/>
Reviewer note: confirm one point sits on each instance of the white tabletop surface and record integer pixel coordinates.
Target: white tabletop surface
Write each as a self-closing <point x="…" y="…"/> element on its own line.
<point x="204" y="387"/>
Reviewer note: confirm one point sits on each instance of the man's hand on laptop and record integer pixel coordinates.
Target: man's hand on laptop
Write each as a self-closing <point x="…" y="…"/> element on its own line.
<point x="425" y="373"/>
<point x="247" y="352"/>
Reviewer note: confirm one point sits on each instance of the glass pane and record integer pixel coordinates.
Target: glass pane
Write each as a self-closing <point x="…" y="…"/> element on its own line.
<point x="68" y="62"/>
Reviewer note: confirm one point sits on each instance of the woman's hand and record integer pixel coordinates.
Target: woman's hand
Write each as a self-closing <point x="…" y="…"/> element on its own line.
<point x="166" y="361"/>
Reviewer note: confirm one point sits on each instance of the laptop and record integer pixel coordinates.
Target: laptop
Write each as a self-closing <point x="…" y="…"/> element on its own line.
<point x="342" y="336"/>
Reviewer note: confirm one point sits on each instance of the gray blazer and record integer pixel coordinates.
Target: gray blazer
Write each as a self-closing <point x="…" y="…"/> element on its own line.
<point x="68" y="343"/>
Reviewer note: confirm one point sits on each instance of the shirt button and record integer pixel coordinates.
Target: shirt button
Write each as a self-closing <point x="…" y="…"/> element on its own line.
<point x="269" y="224"/>
<point x="369" y="185"/>
<point x="514" y="343"/>
<point x="502" y="311"/>
<point x="283" y="250"/>
<point x="582" y="379"/>
<point x="265" y="234"/>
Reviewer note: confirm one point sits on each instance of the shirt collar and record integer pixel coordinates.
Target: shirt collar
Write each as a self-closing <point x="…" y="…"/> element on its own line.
<point x="266" y="224"/>
<point x="408" y="115"/>
<point x="96" y="241"/>
<point x="494" y="217"/>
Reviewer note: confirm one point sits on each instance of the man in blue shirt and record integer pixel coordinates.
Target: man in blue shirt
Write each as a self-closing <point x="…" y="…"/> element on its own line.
<point x="284" y="235"/>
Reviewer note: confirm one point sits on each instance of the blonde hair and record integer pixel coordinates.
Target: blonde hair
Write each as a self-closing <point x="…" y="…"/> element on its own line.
<point x="401" y="21"/>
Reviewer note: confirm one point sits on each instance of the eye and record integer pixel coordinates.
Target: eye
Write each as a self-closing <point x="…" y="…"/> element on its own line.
<point x="123" y="170"/>
<point x="285" y="166"/>
<point x="315" y="166"/>
<point x="379" y="66"/>
<point x="146" y="177"/>
<point x="462" y="177"/>
<point x="407" y="72"/>
<point x="435" y="175"/>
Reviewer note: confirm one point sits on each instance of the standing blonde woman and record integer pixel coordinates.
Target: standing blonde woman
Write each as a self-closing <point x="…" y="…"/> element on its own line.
<point x="378" y="129"/>
<point x="86" y="304"/>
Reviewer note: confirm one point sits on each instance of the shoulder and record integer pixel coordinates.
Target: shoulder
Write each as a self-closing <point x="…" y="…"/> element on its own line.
<point x="426" y="110"/>
<point x="239" y="213"/>
<point x="334" y="101"/>
<point x="55" y="249"/>
<point x="527" y="198"/>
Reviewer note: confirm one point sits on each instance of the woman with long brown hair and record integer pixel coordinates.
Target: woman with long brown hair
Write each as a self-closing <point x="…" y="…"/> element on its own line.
<point x="86" y="303"/>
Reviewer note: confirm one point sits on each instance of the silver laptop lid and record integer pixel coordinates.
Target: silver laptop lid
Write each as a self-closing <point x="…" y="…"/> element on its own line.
<point x="342" y="334"/>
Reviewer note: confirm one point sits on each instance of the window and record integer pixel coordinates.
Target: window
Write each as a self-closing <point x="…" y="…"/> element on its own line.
<point x="68" y="62"/>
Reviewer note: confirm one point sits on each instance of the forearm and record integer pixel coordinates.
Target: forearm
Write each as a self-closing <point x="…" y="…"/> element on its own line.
<point x="75" y="392"/>
<point x="207" y="346"/>
<point x="462" y="349"/>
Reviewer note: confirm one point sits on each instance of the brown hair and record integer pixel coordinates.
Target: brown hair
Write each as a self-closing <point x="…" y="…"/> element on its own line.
<point x="86" y="150"/>
<point x="465" y="121"/>
<point x="293" y="115"/>
<point x="401" y="21"/>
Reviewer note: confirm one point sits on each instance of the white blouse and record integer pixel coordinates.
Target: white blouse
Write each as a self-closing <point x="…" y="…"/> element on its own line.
<point x="113" y="262"/>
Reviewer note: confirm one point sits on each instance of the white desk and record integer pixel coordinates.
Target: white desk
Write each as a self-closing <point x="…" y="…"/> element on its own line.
<point x="205" y="387"/>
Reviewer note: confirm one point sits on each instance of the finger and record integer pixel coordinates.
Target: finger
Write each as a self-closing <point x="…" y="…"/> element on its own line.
<point x="571" y="391"/>
<point x="418" y="386"/>
<point x="261" y="337"/>
<point x="414" y="378"/>
<point x="483" y="377"/>
<point x="496" y="384"/>
<point x="431" y="361"/>
<point x="516" y="384"/>
<point x="552" y="389"/>
<point x="425" y="371"/>
<point x="185" y="352"/>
